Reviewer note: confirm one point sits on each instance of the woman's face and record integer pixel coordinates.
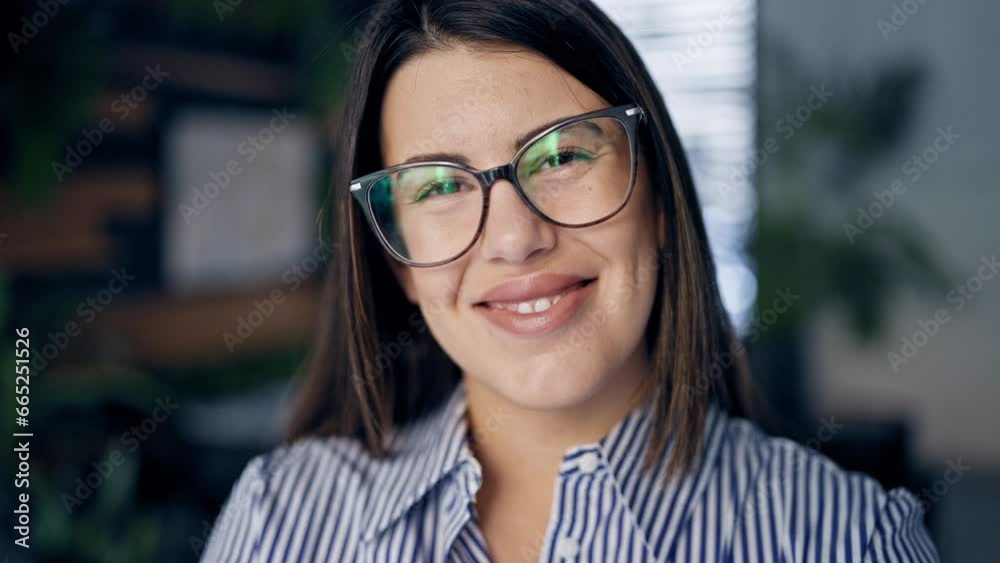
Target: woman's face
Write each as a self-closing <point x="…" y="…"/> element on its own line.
<point x="484" y="309"/>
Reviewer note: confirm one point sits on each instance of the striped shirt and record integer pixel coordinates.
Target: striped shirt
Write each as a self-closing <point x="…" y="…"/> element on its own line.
<point x="748" y="498"/>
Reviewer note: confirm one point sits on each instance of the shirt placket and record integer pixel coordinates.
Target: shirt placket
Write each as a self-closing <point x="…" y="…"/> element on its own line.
<point x="583" y="498"/>
<point x="457" y="494"/>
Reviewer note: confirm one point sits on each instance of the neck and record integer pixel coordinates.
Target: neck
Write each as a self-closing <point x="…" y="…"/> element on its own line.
<point x="522" y="448"/>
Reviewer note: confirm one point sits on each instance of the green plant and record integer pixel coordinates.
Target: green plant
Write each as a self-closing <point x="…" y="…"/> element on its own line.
<point x="812" y="185"/>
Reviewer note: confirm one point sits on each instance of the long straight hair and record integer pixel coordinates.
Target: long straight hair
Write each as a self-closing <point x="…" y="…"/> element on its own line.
<point x="375" y="366"/>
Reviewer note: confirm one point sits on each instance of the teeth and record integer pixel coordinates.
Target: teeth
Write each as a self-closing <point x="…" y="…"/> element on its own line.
<point x="529" y="307"/>
<point x="542" y="304"/>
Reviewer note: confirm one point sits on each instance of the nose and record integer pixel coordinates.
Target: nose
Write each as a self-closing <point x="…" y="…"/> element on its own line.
<point x="513" y="232"/>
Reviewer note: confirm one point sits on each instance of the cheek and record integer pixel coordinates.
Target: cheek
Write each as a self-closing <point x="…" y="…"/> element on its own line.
<point x="634" y="263"/>
<point x="629" y="239"/>
<point x="436" y="291"/>
<point x="437" y="296"/>
<point x="634" y="280"/>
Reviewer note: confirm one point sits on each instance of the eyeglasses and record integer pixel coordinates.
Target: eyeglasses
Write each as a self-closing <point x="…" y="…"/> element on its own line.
<point x="576" y="173"/>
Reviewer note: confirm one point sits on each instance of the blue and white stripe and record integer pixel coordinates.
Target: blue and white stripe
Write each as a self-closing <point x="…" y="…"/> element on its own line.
<point x="751" y="498"/>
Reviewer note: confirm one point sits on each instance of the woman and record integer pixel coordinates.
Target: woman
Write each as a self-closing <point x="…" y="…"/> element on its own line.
<point x="523" y="355"/>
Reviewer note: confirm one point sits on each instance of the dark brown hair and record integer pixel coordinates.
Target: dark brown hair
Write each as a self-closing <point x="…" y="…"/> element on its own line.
<point x="374" y="365"/>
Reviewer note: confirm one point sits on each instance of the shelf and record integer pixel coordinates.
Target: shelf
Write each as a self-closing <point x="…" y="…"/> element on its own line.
<point x="162" y="331"/>
<point x="69" y="233"/>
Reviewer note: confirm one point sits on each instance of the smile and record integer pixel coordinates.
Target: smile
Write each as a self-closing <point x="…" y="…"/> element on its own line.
<point x="535" y="314"/>
<point x="532" y="306"/>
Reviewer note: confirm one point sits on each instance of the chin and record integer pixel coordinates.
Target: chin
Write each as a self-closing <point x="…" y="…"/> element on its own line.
<point x="548" y="382"/>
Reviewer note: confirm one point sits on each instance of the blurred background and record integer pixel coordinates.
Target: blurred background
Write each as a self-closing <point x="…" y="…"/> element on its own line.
<point x="162" y="164"/>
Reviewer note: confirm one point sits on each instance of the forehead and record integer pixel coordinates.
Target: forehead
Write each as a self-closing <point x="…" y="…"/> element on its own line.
<point x="475" y="102"/>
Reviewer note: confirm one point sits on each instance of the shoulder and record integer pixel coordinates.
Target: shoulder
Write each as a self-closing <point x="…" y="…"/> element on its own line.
<point x="291" y="491"/>
<point x="316" y="499"/>
<point x="805" y="505"/>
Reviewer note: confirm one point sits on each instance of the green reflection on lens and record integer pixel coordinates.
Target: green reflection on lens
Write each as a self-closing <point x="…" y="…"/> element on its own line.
<point x="540" y="151"/>
<point x="445" y="185"/>
<point x="382" y="192"/>
<point x="441" y="182"/>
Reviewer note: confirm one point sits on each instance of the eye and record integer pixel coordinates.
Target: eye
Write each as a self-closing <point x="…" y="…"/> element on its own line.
<point x="441" y="187"/>
<point x="562" y="158"/>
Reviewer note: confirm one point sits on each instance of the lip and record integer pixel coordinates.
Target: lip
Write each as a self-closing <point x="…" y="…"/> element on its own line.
<point x="573" y="289"/>
<point x="531" y="287"/>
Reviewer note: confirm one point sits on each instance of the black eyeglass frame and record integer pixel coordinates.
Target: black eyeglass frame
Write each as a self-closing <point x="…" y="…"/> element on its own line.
<point x="630" y="115"/>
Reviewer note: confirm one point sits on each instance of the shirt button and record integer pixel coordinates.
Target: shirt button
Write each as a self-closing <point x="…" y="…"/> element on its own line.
<point x="588" y="462"/>
<point x="567" y="548"/>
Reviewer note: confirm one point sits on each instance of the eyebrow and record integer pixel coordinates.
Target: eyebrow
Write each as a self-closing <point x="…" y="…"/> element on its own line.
<point x="461" y="159"/>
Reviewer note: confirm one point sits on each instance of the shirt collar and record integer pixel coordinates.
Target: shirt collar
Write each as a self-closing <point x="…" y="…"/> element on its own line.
<point x="429" y="449"/>
<point x="422" y="453"/>
<point x="659" y="505"/>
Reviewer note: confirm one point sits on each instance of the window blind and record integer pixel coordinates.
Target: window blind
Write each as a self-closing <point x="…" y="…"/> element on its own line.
<point x="702" y="55"/>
